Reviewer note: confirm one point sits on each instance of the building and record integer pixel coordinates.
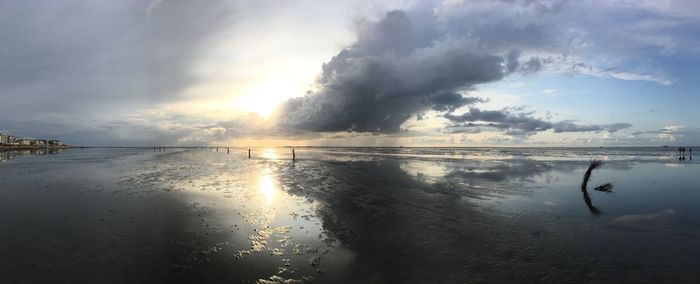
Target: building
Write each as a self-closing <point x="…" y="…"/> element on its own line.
<point x="7" y="155"/>
<point x="9" y="140"/>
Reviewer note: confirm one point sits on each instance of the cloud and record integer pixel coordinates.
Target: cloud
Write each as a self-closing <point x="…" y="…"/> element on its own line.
<point x="401" y="65"/>
<point x="80" y="67"/>
<point x="671" y="133"/>
<point x="549" y="91"/>
<point x="640" y="77"/>
<point x="93" y="61"/>
<point x="412" y="61"/>
<point x="152" y="5"/>
<point x="449" y="101"/>
<point x="519" y="123"/>
<point x="645" y="219"/>
<point x="567" y="126"/>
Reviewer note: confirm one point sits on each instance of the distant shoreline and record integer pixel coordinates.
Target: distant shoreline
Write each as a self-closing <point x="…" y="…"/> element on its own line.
<point x="358" y="147"/>
<point x="5" y="148"/>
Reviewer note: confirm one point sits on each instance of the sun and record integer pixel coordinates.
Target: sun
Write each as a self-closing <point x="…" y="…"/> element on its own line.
<point x="264" y="97"/>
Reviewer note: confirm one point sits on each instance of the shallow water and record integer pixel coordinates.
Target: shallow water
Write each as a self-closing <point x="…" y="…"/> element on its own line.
<point x="348" y="215"/>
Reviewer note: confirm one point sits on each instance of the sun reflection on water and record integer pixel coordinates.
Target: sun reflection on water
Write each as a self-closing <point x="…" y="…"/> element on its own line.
<point x="270" y="154"/>
<point x="267" y="187"/>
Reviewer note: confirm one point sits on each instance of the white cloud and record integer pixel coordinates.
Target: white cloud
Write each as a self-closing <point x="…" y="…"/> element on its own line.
<point x="640" y="77"/>
<point x="549" y="91"/>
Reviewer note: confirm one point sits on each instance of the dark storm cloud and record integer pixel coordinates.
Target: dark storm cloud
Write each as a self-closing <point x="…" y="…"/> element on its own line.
<point x="449" y="101"/>
<point x="519" y="123"/>
<point x="384" y="78"/>
<point x="401" y="65"/>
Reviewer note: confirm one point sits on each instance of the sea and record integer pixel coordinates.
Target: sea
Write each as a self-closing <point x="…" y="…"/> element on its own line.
<point x="350" y="215"/>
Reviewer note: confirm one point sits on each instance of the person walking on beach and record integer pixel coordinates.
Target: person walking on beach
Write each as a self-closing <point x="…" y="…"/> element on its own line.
<point x="682" y="153"/>
<point x="294" y="156"/>
<point x="248" y="153"/>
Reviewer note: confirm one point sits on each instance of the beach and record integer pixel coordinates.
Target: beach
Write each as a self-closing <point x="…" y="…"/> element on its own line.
<point x="349" y="215"/>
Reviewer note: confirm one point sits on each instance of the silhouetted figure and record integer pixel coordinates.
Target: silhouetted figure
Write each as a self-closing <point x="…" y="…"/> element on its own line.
<point x="248" y="153"/>
<point x="294" y="156"/>
<point x="684" y="153"/>
<point x="228" y="151"/>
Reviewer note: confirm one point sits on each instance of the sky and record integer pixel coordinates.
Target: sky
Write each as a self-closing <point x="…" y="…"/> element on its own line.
<point x="351" y="73"/>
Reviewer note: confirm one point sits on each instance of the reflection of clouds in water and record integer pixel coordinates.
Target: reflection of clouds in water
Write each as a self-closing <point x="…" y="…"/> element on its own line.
<point x="399" y="214"/>
<point x="403" y="214"/>
<point x="522" y="170"/>
<point x="387" y="220"/>
<point x="485" y="170"/>
<point x="396" y="214"/>
<point x="486" y="179"/>
<point x="427" y="170"/>
<point x="399" y="220"/>
<point x="645" y="219"/>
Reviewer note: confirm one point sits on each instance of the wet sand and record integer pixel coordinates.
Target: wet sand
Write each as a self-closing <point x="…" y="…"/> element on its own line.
<point x="349" y="215"/>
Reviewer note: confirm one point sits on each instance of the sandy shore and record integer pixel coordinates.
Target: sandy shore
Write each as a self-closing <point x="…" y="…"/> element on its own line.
<point x="348" y="216"/>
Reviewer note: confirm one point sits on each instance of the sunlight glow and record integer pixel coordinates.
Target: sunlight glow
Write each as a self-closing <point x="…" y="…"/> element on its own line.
<point x="264" y="97"/>
<point x="270" y="154"/>
<point x="267" y="188"/>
